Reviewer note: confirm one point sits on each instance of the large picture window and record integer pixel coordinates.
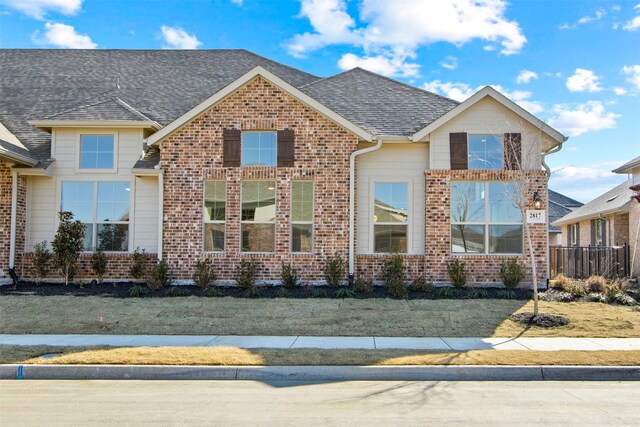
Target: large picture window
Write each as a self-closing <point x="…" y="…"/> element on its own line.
<point x="484" y="218"/>
<point x="301" y="216"/>
<point x="390" y="217"/>
<point x="258" y="200"/>
<point x="215" y="196"/>
<point x="259" y="148"/>
<point x="97" y="152"/>
<point x="485" y="152"/>
<point x="103" y="208"/>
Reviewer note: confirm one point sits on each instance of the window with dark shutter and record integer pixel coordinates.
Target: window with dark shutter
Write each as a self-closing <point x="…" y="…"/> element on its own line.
<point x="231" y="147"/>
<point x="512" y="151"/>
<point x="286" y="148"/>
<point x="458" y="150"/>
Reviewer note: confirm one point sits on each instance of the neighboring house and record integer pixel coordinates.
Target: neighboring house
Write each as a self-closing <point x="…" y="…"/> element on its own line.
<point x="228" y="155"/>
<point x="608" y="220"/>
<point x="559" y="206"/>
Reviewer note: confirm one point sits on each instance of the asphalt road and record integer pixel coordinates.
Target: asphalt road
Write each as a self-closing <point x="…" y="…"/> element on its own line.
<point x="282" y="403"/>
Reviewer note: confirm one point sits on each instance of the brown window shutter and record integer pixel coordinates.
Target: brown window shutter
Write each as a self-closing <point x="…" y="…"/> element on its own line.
<point x="577" y="234"/>
<point x="512" y="151"/>
<point x="286" y="148"/>
<point x="231" y="147"/>
<point x="593" y="233"/>
<point x="458" y="150"/>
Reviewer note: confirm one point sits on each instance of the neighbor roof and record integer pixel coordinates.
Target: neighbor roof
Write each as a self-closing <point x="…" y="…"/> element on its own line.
<point x="627" y="167"/>
<point x="559" y="206"/>
<point x="614" y="200"/>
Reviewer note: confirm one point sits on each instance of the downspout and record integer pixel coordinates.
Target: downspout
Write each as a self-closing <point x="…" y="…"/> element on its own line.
<point x="14" y="212"/>
<point x="548" y="169"/>
<point x="160" y="211"/>
<point x="352" y="204"/>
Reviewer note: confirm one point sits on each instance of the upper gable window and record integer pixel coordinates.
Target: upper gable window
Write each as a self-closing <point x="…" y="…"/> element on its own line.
<point x="97" y="152"/>
<point x="259" y="148"/>
<point x="485" y="152"/>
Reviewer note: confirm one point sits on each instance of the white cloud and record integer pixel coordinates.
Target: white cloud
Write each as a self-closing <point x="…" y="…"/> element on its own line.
<point x="583" y="81"/>
<point x="633" y="74"/>
<point x="64" y="36"/>
<point x="395" y="29"/>
<point x="588" y="117"/>
<point x="397" y="67"/>
<point x="450" y="63"/>
<point x="620" y="91"/>
<point x="177" y="38"/>
<point x="38" y="8"/>
<point x="584" y="20"/>
<point x="585" y="182"/>
<point x="526" y="76"/>
<point x="634" y="23"/>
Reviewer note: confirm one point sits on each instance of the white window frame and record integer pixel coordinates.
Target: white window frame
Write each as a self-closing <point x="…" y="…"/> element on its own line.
<point x="573" y="233"/>
<point x="79" y="136"/>
<point x="486" y="224"/>
<point x="601" y="225"/>
<point x="274" y="222"/>
<point x="372" y="200"/>
<point x="500" y="138"/>
<point x="313" y="205"/>
<point x="206" y="221"/>
<point x="242" y="149"/>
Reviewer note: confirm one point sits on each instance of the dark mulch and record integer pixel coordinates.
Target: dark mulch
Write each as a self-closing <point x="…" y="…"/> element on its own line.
<point x="542" y="320"/>
<point x="121" y="290"/>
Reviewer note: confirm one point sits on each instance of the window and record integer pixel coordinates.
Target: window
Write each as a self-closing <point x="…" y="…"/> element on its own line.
<point x="302" y="216"/>
<point x="258" y="216"/>
<point x="97" y="152"/>
<point x="390" y="216"/>
<point x="103" y="208"/>
<point x="259" y="148"/>
<point x="485" y="152"/>
<point x="599" y="227"/>
<point x="215" y="196"/>
<point x="484" y="219"/>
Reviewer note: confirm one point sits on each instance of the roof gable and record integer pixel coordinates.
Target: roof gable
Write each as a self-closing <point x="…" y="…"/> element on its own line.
<point x="615" y="200"/>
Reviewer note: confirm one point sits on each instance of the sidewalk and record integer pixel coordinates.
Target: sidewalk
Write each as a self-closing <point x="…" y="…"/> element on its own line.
<point x="296" y="342"/>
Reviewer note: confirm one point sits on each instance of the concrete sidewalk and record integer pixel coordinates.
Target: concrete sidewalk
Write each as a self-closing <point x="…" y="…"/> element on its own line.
<point x="294" y="342"/>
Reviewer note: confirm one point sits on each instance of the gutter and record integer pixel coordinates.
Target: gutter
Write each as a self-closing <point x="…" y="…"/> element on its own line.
<point x="12" y="242"/>
<point x="18" y="157"/>
<point x="352" y="203"/>
<point x="160" y="211"/>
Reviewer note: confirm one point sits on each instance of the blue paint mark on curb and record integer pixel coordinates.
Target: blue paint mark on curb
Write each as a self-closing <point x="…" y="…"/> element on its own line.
<point x="19" y="372"/>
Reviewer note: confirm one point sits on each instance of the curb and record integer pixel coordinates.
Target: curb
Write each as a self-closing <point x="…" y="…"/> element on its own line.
<point x="322" y="373"/>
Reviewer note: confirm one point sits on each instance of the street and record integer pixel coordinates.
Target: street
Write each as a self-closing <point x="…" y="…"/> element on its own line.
<point x="226" y="403"/>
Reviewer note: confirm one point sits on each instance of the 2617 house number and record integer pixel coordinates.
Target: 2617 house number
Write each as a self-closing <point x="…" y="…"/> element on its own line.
<point x="536" y="216"/>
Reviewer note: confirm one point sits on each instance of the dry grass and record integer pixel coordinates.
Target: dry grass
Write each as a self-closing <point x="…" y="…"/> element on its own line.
<point x="226" y="356"/>
<point x="349" y="317"/>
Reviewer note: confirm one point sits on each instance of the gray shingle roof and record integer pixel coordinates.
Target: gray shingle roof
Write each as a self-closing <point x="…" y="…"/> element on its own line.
<point x="12" y="148"/>
<point x="626" y="168"/>
<point x="149" y="159"/>
<point x="617" y="199"/>
<point x="563" y="200"/>
<point x="559" y="206"/>
<point x="110" y="108"/>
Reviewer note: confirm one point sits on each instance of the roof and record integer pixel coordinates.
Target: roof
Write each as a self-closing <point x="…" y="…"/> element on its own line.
<point x="109" y="108"/>
<point x="629" y="166"/>
<point x="149" y="159"/>
<point x="559" y="206"/>
<point x="615" y="200"/>
<point x="563" y="200"/>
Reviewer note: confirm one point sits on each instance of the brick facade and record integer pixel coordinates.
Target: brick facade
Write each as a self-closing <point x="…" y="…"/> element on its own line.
<point x="6" y="186"/>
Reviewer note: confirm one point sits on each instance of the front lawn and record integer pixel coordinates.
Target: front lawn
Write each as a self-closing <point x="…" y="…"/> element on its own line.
<point x="27" y="314"/>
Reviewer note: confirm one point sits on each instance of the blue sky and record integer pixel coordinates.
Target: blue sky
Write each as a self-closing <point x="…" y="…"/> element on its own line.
<point x="573" y="63"/>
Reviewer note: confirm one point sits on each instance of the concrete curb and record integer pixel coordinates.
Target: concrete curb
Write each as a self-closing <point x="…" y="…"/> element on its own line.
<point x="322" y="373"/>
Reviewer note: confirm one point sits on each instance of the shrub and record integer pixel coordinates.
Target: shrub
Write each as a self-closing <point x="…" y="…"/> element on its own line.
<point x="204" y="275"/>
<point x="506" y="294"/>
<point x="363" y="286"/>
<point x="616" y="291"/>
<point x="99" y="264"/>
<point x="289" y="276"/>
<point x="251" y="293"/>
<point x="345" y="292"/>
<point x="213" y="292"/>
<point x="334" y="270"/>
<point x="160" y="276"/>
<point x="67" y="245"/>
<point x="420" y="285"/>
<point x="576" y="288"/>
<point x="282" y="293"/>
<point x="596" y="284"/>
<point x="138" y="291"/>
<point x="394" y="274"/>
<point x="511" y="273"/>
<point x="446" y="292"/>
<point x="561" y="281"/>
<point x="457" y="273"/>
<point x="317" y="292"/>
<point x="177" y="291"/>
<point x="246" y="273"/>
<point x="596" y="297"/>
<point x="478" y="293"/>
<point x="41" y="260"/>
<point x="136" y="269"/>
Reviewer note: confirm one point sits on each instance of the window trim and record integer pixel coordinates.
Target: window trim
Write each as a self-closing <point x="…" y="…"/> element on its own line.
<point x="116" y="141"/>
<point x="486" y="224"/>
<point x="242" y="150"/>
<point x="500" y="139"/>
<point x="573" y="234"/>
<point x="409" y="224"/>
<point x="275" y="220"/>
<point x="206" y="221"/>
<point x="292" y="222"/>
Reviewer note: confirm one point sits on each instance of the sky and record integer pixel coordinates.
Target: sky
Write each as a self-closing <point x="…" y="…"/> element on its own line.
<point x="575" y="64"/>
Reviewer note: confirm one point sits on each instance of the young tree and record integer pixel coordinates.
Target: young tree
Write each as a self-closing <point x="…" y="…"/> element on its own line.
<point x="67" y="245"/>
<point x="41" y="260"/>
<point x="99" y="264"/>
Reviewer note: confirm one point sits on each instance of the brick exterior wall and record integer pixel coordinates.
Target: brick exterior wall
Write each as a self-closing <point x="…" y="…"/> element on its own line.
<point x="634" y="237"/>
<point x="6" y="185"/>
<point x="619" y="229"/>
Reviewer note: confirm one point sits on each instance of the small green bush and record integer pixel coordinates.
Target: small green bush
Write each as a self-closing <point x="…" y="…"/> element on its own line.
<point x="289" y="276"/>
<point x="204" y="275"/>
<point x="316" y="292"/>
<point x="596" y="284"/>
<point x="511" y="273"/>
<point x="138" y="291"/>
<point x="177" y="291"/>
<point x="363" y="286"/>
<point x="252" y="292"/>
<point x="99" y="264"/>
<point x="477" y="293"/>
<point x="41" y="260"/>
<point x="282" y="293"/>
<point x="246" y="273"/>
<point x="420" y="285"/>
<point x="457" y="273"/>
<point x="446" y="292"/>
<point x="67" y="245"/>
<point x="596" y="297"/>
<point x="137" y="267"/>
<point x="334" y="270"/>
<point x="345" y="292"/>
<point x="213" y="292"/>
<point x="506" y="294"/>
<point x="160" y="276"/>
<point x="393" y="272"/>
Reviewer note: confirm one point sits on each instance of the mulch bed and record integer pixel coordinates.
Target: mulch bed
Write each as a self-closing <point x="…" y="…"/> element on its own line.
<point x="542" y="320"/>
<point x="121" y="290"/>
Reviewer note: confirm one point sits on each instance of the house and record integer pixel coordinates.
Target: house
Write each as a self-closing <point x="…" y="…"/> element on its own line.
<point x="559" y="206"/>
<point x="229" y="155"/>
<point x="610" y="219"/>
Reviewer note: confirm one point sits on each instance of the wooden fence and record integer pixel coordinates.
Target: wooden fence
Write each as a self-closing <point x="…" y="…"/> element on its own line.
<point x="584" y="261"/>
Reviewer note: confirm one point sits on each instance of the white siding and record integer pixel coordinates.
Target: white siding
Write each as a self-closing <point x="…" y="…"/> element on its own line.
<point x="487" y="117"/>
<point x="397" y="162"/>
<point x="41" y="210"/>
<point x="146" y="214"/>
